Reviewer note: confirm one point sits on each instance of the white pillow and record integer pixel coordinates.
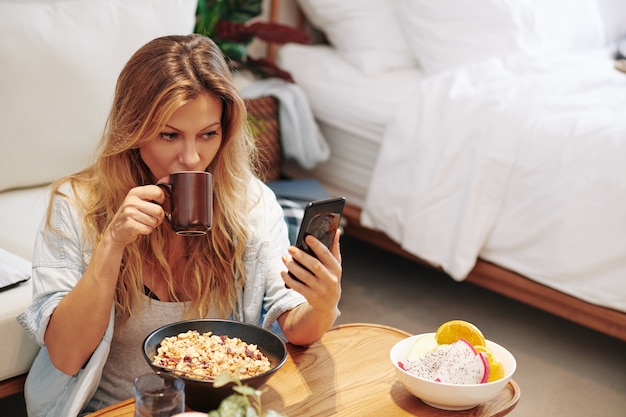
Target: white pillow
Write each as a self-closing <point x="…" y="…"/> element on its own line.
<point x="60" y="62"/>
<point x="365" y="32"/>
<point x="446" y="34"/>
<point x="613" y="14"/>
<point x="13" y="269"/>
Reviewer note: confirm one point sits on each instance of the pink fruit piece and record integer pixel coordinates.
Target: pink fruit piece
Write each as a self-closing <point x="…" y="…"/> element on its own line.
<point x="456" y="363"/>
<point x="427" y="366"/>
<point x="485" y="359"/>
<point x="463" y="365"/>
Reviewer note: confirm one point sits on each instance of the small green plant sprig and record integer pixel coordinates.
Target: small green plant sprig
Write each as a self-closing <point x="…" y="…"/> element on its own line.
<point x="245" y="402"/>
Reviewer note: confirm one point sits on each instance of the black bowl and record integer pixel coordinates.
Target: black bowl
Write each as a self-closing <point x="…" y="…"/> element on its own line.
<point x="201" y="395"/>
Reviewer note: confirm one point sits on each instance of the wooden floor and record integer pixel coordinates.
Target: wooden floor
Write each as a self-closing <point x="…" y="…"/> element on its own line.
<point x="563" y="369"/>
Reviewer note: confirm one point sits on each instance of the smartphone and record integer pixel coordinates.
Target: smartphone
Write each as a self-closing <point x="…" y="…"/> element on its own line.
<point x="321" y="219"/>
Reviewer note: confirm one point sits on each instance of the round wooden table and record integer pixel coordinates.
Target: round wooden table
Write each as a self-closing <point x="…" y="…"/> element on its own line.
<point x="348" y="373"/>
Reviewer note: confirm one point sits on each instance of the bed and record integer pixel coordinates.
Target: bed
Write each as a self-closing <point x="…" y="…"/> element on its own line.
<point x="484" y="138"/>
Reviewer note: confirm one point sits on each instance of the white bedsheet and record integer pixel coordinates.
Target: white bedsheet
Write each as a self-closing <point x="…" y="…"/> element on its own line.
<point x="352" y="111"/>
<point x="340" y="95"/>
<point x="520" y="162"/>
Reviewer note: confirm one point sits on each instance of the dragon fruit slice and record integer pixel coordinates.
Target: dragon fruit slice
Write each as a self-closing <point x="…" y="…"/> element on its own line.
<point x="456" y="363"/>
<point x="463" y="365"/>
<point x="427" y="366"/>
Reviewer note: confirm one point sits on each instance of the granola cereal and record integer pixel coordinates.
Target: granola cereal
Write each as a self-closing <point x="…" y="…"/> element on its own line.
<point x="204" y="356"/>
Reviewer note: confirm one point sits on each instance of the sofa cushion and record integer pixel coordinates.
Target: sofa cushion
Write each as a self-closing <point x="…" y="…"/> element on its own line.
<point x="13" y="269"/>
<point x="60" y="62"/>
<point x="446" y="34"/>
<point x="24" y="210"/>
<point x="17" y="350"/>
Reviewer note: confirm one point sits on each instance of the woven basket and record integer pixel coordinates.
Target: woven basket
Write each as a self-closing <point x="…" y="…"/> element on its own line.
<point x="263" y="119"/>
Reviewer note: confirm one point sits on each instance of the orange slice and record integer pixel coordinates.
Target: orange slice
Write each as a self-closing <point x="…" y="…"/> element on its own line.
<point x="485" y="350"/>
<point x="496" y="371"/>
<point x="454" y="330"/>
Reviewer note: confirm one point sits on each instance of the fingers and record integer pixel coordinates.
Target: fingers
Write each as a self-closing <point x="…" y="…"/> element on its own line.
<point x="145" y="198"/>
<point x="313" y="271"/>
<point x="318" y="280"/>
<point x="297" y="277"/>
<point x="151" y="193"/>
<point x="137" y="215"/>
<point x="329" y="259"/>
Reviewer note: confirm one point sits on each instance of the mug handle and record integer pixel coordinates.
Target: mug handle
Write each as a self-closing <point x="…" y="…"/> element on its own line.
<point x="167" y="189"/>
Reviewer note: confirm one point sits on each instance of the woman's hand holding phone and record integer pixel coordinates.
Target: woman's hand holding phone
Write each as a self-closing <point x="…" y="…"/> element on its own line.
<point x="314" y="270"/>
<point x="319" y="276"/>
<point x="321" y="220"/>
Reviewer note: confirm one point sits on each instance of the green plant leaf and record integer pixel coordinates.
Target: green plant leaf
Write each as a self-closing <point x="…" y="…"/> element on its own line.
<point x="226" y="22"/>
<point x="241" y="11"/>
<point x="247" y="391"/>
<point x="233" y="50"/>
<point x="234" y="405"/>
<point x="238" y="11"/>
<point x="224" y="379"/>
<point x="207" y="17"/>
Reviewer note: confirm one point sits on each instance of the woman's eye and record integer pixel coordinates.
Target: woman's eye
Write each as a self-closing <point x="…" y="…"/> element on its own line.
<point x="168" y="136"/>
<point x="210" y="134"/>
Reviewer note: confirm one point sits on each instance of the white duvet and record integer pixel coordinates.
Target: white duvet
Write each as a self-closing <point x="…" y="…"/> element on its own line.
<point x="520" y="162"/>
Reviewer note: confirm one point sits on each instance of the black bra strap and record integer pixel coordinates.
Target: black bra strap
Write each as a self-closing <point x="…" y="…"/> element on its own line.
<point x="147" y="291"/>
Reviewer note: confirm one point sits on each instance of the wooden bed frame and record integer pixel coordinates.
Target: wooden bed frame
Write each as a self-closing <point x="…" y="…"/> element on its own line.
<point x="510" y="284"/>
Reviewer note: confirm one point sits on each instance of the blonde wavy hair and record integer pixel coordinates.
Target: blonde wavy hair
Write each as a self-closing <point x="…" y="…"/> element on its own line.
<point x="159" y="78"/>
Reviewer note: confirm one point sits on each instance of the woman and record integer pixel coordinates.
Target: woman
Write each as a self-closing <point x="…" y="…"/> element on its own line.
<point x="107" y="270"/>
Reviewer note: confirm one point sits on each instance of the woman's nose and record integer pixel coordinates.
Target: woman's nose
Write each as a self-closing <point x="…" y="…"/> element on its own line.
<point x="189" y="156"/>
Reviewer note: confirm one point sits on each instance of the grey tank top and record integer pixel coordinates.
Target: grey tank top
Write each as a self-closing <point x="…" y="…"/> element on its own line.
<point x="126" y="361"/>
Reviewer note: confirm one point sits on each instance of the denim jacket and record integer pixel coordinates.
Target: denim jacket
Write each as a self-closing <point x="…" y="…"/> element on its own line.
<point x="60" y="261"/>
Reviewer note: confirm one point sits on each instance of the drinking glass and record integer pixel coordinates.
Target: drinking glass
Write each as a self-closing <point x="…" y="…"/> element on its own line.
<point x="159" y="394"/>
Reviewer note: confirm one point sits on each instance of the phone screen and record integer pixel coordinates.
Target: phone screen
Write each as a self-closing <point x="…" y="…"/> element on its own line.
<point x="321" y="219"/>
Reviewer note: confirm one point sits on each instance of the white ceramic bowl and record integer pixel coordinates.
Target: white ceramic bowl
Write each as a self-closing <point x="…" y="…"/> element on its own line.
<point x="451" y="396"/>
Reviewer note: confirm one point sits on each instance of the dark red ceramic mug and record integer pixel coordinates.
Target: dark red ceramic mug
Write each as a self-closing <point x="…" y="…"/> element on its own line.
<point x="189" y="202"/>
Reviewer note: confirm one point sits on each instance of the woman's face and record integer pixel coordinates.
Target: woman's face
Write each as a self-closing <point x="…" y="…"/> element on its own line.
<point x="189" y="140"/>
